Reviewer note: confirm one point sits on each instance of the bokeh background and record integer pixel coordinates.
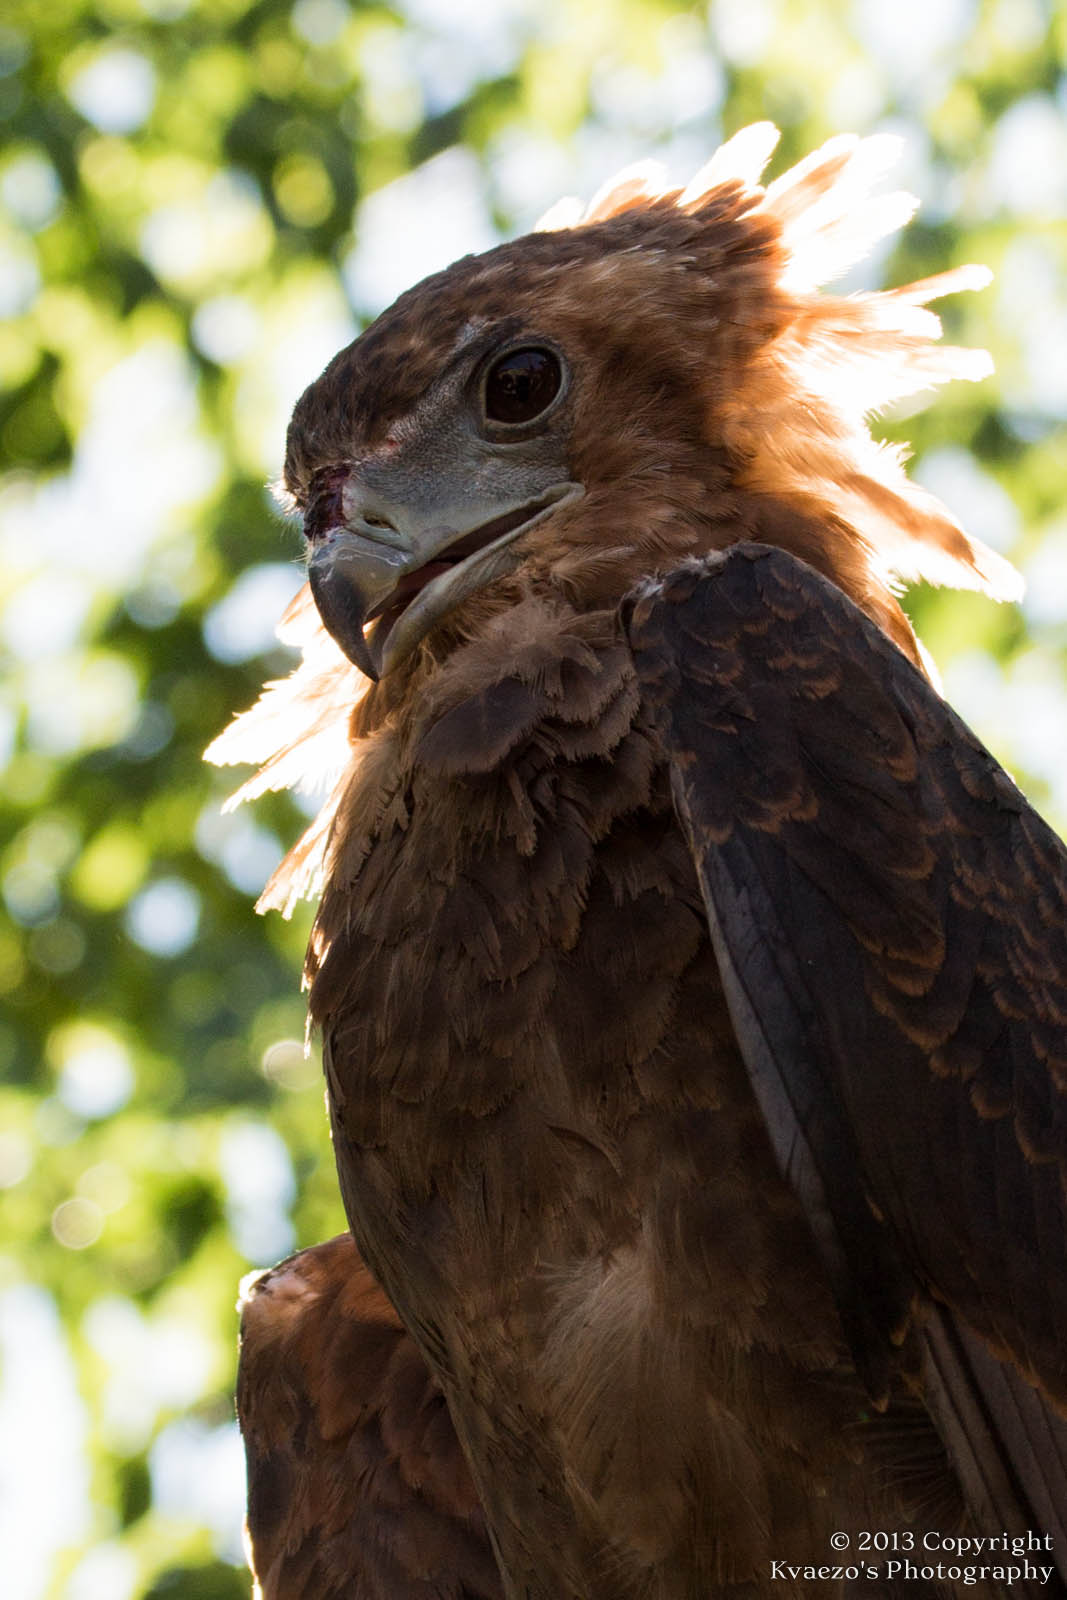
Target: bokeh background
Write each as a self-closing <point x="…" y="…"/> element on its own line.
<point x="200" y="200"/>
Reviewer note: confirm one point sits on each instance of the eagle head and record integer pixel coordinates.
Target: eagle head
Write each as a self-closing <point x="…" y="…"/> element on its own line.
<point x="591" y="403"/>
<point x="652" y="377"/>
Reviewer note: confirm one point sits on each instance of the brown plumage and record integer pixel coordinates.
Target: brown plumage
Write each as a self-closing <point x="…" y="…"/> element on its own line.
<point x="358" y="1489"/>
<point x="690" y="985"/>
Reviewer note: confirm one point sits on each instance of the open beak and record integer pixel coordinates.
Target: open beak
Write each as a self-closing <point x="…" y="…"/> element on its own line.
<point x="380" y="588"/>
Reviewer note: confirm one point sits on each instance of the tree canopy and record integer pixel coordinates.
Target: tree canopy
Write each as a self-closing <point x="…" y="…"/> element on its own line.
<point x="198" y="205"/>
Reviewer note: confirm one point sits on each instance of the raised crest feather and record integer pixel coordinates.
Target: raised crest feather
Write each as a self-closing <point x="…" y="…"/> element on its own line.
<point x="740" y="160"/>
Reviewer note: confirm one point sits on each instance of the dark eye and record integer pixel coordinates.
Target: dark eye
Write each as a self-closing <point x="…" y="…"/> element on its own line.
<point x="521" y="385"/>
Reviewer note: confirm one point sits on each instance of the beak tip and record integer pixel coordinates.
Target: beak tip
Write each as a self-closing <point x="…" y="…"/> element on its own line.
<point x="342" y="608"/>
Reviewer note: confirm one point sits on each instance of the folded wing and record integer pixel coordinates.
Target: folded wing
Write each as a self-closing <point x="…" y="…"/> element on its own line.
<point x="890" y="917"/>
<point x="357" y="1488"/>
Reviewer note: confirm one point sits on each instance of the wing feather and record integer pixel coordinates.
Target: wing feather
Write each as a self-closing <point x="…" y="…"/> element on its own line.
<point x="890" y="916"/>
<point x="357" y="1488"/>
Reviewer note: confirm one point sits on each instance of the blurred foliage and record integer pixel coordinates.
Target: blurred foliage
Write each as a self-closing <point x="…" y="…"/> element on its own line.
<point x="193" y="216"/>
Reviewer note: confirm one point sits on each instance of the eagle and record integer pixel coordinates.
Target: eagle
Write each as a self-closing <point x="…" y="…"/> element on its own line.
<point x="692" y="984"/>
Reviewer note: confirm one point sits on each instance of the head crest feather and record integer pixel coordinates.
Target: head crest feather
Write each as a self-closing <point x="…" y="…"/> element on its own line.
<point x="807" y="396"/>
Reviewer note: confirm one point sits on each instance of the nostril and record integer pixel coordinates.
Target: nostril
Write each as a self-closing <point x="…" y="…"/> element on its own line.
<point x="338" y="499"/>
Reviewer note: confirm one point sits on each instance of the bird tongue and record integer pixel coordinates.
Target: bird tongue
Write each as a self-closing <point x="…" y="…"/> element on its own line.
<point x="408" y="588"/>
<point x="412" y="582"/>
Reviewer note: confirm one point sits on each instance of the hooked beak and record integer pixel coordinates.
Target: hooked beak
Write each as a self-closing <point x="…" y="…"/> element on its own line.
<point x="367" y="571"/>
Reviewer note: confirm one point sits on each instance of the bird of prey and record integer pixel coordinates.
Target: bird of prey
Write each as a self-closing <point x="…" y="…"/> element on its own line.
<point x="692" y="984"/>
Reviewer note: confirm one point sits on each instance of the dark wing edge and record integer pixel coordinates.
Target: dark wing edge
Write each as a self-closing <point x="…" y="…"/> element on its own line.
<point x="890" y="920"/>
<point x="357" y="1487"/>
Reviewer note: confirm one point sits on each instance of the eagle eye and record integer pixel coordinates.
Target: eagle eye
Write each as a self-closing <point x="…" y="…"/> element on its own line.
<point x="522" y="384"/>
